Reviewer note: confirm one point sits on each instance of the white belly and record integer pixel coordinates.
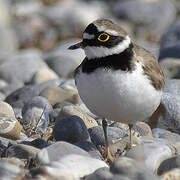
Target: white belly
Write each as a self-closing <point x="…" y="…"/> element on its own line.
<point x="121" y="96"/>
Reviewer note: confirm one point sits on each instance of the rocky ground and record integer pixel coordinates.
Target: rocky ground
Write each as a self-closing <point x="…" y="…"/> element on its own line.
<point x="46" y="132"/>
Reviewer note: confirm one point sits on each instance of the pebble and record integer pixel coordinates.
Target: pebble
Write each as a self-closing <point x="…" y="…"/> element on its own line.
<point x="132" y="169"/>
<point x="59" y="95"/>
<point x="169" y="46"/>
<point x="114" y="134"/>
<point x="37" y="143"/>
<point x="35" y="113"/>
<point x="57" y="151"/>
<point x="101" y="174"/>
<point x="6" y="110"/>
<point x="169" y="164"/>
<point x="83" y="14"/>
<point x="174" y="174"/>
<point x="39" y="102"/>
<point x="75" y="110"/>
<point x="22" y="151"/>
<point x="90" y="148"/>
<point x="11" y="171"/>
<point x="152" y="152"/>
<point x="64" y="61"/>
<point x="10" y="128"/>
<point x="72" y="167"/>
<point x="170" y="67"/>
<point x="44" y="75"/>
<point x="9" y="43"/>
<point x="49" y="83"/>
<point x="172" y="86"/>
<point x="165" y="134"/>
<point x="148" y="14"/>
<point x="18" y="98"/>
<point x="25" y="64"/>
<point x="167" y="115"/>
<point x="11" y="87"/>
<point x="70" y="129"/>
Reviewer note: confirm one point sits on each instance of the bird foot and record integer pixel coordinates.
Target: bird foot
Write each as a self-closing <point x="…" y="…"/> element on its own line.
<point x="109" y="158"/>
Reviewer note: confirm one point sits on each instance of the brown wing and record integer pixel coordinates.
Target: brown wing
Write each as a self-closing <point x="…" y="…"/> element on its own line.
<point x="150" y="66"/>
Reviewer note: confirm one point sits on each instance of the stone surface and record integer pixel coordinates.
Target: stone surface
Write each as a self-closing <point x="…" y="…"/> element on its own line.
<point x="39" y="102"/>
<point x="35" y="113"/>
<point x="83" y="14"/>
<point x="101" y="174"/>
<point x="64" y="61"/>
<point x="174" y="174"/>
<point x="90" y="148"/>
<point x="59" y="95"/>
<point x="44" y="75"/>
<point x="172" y="86"/>
<point x="165" y="134"/>
<point x="148" y="13"/>
<point x="25" y="64"/>
<point x="57" y="151"/>
<point x="22" y="151"/>
<point x="169" y="46"/>
<point x="18" y="98"/>
<point x="75" y="110"/>
<point x="6" y="110"/>
<point x="169" y="164"/>
<point x="37" y="143"/>
<point x="167" y="116"/>
<point x="132" y="169"/>
<point x="70" y="129"/>
<point x="152" y="152"/>
<point x="10" y="128"/>
<point x="72" y="166"/>
<point x="11" y="171"/>
<point x="170" y="67"/>
<point x="114" y="134"/>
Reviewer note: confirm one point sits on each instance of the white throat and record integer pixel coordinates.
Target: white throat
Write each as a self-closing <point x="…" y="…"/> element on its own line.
<point x="93" y="52"/>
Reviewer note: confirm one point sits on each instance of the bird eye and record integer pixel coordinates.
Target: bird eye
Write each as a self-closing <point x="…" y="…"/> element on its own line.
<point x="103" y="37"/>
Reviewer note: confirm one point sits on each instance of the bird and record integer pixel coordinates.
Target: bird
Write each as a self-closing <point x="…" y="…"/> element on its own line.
<point x="118" y="80"/>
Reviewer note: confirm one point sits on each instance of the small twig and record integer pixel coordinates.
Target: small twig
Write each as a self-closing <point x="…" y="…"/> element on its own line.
<point x="37" y="124"/>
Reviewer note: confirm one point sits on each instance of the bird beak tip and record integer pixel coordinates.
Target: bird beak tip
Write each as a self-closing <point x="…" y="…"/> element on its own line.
<point x="76" y="46"/>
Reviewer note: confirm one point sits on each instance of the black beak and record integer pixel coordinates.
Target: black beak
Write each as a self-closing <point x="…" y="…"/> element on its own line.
<point x="76" y="46"/>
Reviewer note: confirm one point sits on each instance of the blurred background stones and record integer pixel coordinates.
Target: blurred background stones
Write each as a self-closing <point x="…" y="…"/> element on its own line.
<point x="46" y="131"/>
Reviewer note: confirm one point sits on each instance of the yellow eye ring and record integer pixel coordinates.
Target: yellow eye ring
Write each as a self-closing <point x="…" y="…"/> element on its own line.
<point x="103" y="37"/>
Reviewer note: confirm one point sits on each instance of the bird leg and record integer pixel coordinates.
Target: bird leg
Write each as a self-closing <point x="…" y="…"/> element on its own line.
<point x="109" y="157"/>
<point x="129" y="145"/>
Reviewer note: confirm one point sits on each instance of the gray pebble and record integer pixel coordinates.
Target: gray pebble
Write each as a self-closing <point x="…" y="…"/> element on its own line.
<point x="10" y="171"/>
<point x="71" y="129"/>
<point x="90" y="148"/>
<point x="148" y="13"/>
<point x="57" y="151"/>
<point x="167" y="115"/>
<point x="165" y="134"/>
<point x="170" y="67"/>
<point x="132" y="169"/>
<point x="172" y="86"/>
<point x="25" y="65"/>
<point x="97" y="135"/>
<point x="18" y="98"/>
<point x="22" y="151"/>
<point x="170" y="42"/>
<point x="101" y="174"/>
<point x="151" y="152"/>
<point x="169" y="164"/>
<point x="37" y="143"/>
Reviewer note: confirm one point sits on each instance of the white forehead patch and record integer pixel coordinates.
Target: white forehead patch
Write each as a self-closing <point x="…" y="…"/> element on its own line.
<point x="88" y="36"/>
<point x="109" y="31"/>
<point x="93" y="52"/>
